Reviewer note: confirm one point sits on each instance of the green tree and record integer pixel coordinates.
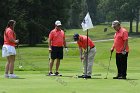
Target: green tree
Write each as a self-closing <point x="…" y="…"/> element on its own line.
<point x="130" y="11"/>
<point x="7" y="12"/>
<point x="35" y="18"/>
<point x="119" y="10"/>
<point x="92" y="8"/>
<point x="74" y="12"/>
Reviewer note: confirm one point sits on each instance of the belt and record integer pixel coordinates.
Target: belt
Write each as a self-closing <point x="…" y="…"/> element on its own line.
<point x="92" y="47"/>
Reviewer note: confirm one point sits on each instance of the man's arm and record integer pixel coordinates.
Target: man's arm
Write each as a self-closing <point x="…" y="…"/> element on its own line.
<point x="125" y="38"/>
<point x="125" y="44"/>
<point x="65" y="45"/>
<point x="81" y="53"/>
<point x="11" y="37"/>
<point x="64" y="41"/>
<point x="49" y="44"/>
<point x="14" y="41"/>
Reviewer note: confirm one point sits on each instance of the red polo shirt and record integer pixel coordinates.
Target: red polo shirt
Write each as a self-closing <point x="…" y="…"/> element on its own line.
<point x="119" y="39"/>
<point x="82" y="42"/>
<point x="57" y="37"/>
<point x="9" y="34"/>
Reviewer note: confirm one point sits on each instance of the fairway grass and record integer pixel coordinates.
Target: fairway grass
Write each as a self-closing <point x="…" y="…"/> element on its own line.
<point x="33" y="77"/>
<point x="36" y="82"/>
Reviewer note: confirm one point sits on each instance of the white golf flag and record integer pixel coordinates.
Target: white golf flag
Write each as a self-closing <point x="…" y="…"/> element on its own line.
<point x="87" y="23"/>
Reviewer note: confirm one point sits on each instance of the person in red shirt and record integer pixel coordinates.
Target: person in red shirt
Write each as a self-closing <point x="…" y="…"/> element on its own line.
<point x="8" y="49"/>
<point x="56" y="43"/>
<point x="82" y="43"/>
<point x="121" y="46"/>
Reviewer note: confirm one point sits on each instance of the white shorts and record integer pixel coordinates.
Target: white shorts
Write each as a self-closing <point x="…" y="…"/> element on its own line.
<point x="8" y="50"/>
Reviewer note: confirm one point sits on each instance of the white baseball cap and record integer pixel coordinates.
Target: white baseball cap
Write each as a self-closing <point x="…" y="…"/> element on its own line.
<point x="58" y="23"/>
<point x="115" y="23"/>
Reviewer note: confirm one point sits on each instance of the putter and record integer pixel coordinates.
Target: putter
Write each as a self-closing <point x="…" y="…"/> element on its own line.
<point x="49" y="57"/>
<point x="49" y="61"/>
<point x="81" y="69"/>
<point x="108" y="65"/>
<point x="19" y="58"/>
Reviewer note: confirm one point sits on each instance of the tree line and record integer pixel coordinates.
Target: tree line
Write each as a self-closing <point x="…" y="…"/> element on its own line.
<point x="35" y="18"/>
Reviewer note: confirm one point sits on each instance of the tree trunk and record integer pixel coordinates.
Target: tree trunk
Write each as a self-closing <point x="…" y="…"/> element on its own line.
<point x="137" y="20"/>
<point x="131" y="26"/>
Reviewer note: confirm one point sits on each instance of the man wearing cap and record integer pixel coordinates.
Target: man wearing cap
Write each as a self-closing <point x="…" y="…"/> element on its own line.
<point x="121" y="46"/>
<point x="56" y="42"/>
<point x="82" y="43"/>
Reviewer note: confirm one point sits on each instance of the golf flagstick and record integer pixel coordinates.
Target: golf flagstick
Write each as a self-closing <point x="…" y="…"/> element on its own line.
<point x="87" y="55"/>
<point x="108" y="65"/>
<point x="87" y="24"/>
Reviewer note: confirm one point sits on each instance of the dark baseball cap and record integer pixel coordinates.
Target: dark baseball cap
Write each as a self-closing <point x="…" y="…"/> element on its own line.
<point x="76" y="37"/>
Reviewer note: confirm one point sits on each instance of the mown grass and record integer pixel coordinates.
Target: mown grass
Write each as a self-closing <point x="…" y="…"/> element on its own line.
<point x="35" y="60"/>
<point x="95" y="34"/>
<point x="98" y="33"/>
<point x="35" y="65"/>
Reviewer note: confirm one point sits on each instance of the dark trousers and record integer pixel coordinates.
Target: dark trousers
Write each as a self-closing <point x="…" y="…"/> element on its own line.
<point x="121" y="62"/>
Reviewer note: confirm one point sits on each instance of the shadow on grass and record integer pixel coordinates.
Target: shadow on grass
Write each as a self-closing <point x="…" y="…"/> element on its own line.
<point x="95" y="78"/>
<point x="131" y="79"/>
<point x="17" y="78"/>
<point x="68" y="76"/>
<point x="81" y="78"/>
<point x="76" y="76"/>
<point x="97" y="75"/>
<point x="89" y="78"/>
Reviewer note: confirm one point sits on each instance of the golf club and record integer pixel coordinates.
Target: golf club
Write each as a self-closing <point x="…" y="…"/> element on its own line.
<point x="49" y="61"/>
<point x="19" y="57"/>
<point x="81" y="70"/>
<point x="80" y="67"/>
<point x="66" y="51"/>
<point x="108" y="65"/>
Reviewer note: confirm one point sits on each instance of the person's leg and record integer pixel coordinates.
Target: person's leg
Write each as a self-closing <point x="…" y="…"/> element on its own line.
<point x="91" y="55"/>
<point x="57" y="64"/>
<point x="118" y="64"/>
<point x="51" y="65"/>
<point x="7" y="66"/>
<point x="124" y="65"/>
<point x="11" y="65"/>
<point x="59" y="57"/>
<point x="53" y="57"/>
